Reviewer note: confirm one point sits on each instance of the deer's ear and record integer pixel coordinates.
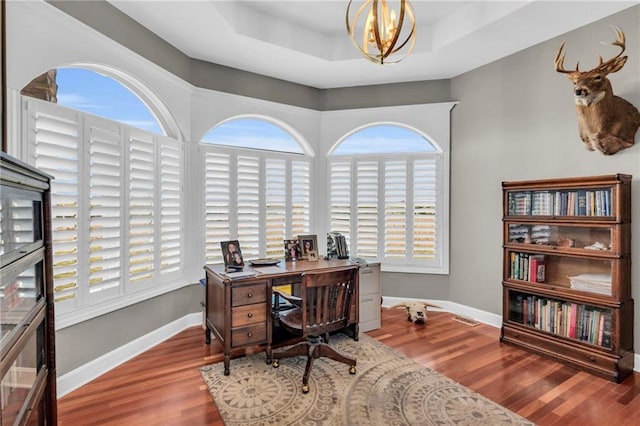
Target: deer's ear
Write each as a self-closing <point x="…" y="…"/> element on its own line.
<point x="616" y="65"/>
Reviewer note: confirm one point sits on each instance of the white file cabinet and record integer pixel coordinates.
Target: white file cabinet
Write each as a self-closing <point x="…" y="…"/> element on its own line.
<point x="370" y="296"/>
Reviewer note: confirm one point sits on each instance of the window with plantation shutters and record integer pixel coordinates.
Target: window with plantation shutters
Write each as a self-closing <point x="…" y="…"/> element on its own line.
<point x="388" y="204"/>
<point x="117" y="206"/>
<point x="256" y="195"/>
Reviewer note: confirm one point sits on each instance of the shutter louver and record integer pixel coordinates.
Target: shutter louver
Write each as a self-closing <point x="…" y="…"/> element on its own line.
<point x="276" y="206"/>
<point x="170" y="205"/>
<point x="105" y="206"/>
<point x="300" y="198"/>
<point x="424" y="208"/>
<point x="55" y="135"/>
<point x="367" y="209"/>
<point x="340" y="198"/>
<point x="248" y="216"/>
<point x="395" y="209"/>
<point x="141" y="206"/>
<point x="217" y="203"/>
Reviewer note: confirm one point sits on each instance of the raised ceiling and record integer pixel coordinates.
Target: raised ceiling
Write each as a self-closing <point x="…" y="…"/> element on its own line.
<point x="305" y="41"/>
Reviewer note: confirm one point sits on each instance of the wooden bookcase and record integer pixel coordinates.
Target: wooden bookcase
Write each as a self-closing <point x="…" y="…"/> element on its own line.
<point x="567" y="271"/>
<point x="27" y="341"/>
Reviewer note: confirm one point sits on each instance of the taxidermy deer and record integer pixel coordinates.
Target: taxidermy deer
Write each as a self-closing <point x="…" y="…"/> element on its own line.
<point x="606" y="122"/>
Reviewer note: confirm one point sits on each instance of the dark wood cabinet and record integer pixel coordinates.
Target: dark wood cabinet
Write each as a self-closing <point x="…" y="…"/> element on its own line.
<point x="567" y="271"/>
<point x="27" y="345"/>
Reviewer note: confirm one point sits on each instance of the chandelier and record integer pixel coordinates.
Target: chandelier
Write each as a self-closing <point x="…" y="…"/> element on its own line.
<point x="384" y="34"/>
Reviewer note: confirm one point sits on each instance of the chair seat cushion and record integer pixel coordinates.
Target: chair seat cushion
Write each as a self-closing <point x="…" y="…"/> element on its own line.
<point x="292" y="319"/>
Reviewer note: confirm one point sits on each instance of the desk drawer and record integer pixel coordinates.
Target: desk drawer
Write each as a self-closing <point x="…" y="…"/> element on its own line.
<point x="248" y="314"/>
<point x="249" y="294"/>
<point x="253" y="334"/>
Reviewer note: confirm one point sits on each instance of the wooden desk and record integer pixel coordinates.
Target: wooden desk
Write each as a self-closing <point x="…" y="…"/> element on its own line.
<point x="238" y="311"/>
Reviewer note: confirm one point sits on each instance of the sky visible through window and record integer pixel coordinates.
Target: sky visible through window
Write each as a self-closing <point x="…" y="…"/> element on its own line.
<point x="91" y="92"/>
<point x="384" y="139"/>
<point x="253" y="133"/>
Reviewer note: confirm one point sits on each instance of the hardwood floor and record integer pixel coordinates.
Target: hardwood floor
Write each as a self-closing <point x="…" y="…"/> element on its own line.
<point x="163" y="385"/>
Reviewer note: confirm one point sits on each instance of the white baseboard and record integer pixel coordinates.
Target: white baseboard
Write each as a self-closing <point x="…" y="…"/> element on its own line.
<point x="91" y="370"/>
<point x="86" y="373"/>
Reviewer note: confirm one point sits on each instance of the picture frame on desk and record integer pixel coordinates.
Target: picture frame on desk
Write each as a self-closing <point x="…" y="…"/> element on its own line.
<point x="308" y="243"/>
<point x="291" y="250"/>
<point x="312" y="256"/>
<point x="232" y="255"/>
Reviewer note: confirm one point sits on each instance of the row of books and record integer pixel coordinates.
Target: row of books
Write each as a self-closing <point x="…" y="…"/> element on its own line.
<point x="566" y="319"/>
<point x="527" y="267"/>
<point x="560" y="203"/>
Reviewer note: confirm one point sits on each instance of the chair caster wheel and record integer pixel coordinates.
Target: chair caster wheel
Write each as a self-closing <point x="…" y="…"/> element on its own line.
<point x="352" y="369"/>
<point x="275" y="363"/>
<point x="305" y="388"/>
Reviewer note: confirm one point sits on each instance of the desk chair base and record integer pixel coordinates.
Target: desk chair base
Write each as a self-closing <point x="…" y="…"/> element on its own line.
<point x="313" y="348"/>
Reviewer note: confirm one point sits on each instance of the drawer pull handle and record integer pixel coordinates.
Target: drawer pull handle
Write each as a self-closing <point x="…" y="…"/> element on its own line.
<point x="592" y="359"/>
<point x="516" y="335"/>
<point x="250" y="295"/>
<point x="249" y="334"/>
<point x="250" y="315"/>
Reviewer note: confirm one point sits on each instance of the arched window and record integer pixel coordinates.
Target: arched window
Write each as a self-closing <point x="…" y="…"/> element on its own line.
<point x="117" y="194"/>
<point x="385" y="186"/>
<point x="95" y="93"/>
<point x="257" y="189"/>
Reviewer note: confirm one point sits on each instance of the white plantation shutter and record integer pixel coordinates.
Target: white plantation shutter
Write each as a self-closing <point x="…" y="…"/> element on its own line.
<point x="104" y="166"/>
<point x="275" y="206"/>
<point x="425" y="200"/>
<point x="171" y="201"/>
<point x="110" y="184"/>
<point x="390" y="205"/>
<point x="217" y="200"/>
<point x="340" y="197"/>
<point x="300" y="198"/>
<point x="54" y="136"/>
<point x="142" y="162"/>
<point x="367" y="209"/>
<point x="395" y="208"/>
<point x="260" y="200"/>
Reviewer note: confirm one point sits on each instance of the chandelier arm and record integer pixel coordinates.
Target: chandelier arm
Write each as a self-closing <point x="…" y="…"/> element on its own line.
<point x="396" y="33"/>
<point x="376" y="27"/>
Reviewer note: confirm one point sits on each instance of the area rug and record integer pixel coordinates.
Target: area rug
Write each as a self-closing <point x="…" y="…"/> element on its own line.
<point x="387" y="389"/>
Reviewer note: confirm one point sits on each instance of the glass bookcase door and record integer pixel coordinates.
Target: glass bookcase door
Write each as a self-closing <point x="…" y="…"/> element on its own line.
<point x="20" y="223"/>
<point x="562" y="272"/>
<point x="21" y="288"/>
<point x="596" y="238"/>
<point x="593" y="202"/>
<point x="584" y="323"/>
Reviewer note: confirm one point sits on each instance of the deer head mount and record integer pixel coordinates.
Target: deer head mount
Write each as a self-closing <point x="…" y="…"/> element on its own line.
<point x="606" y="122"/>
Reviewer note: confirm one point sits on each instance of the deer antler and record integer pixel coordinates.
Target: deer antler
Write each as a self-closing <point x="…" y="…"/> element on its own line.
<point x="621" y="43"/>
<point x="559" y="62"/>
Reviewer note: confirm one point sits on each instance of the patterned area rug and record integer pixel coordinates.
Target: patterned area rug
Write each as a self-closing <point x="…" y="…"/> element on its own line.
<point x="388" y="389"/>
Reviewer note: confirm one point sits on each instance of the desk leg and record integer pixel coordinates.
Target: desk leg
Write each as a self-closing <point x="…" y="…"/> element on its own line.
<point x="227" y="361"/>
<point x="269" y="356"/>
<point x="207" y="335"/>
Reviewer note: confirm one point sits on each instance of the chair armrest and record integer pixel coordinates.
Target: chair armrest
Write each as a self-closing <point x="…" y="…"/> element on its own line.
<point x="294" y="300"/>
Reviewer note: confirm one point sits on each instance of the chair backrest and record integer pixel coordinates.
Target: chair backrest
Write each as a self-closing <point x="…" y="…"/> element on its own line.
<point x="326" y="300"/>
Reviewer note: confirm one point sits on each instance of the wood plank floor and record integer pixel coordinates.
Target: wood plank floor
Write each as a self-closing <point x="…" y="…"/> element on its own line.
<point x="163" y="385"/>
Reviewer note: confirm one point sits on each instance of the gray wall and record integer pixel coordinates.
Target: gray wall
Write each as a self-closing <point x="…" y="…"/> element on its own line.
<point x="515" y="121"/>
<point x="86" y="341"/>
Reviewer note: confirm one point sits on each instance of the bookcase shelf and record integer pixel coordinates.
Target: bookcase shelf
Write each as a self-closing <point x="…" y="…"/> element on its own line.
<point x="567" y="271"/>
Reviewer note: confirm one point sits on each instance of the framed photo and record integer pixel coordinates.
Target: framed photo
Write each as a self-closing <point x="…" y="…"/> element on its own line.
<point x="308" y="243"/>
<point x="291" y="250"/>
<point x="312" y="256"/>
<point x="232" y="254"/>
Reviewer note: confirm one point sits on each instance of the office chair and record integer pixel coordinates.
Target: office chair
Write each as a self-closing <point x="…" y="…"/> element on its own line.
<point x="323" y="308"/>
